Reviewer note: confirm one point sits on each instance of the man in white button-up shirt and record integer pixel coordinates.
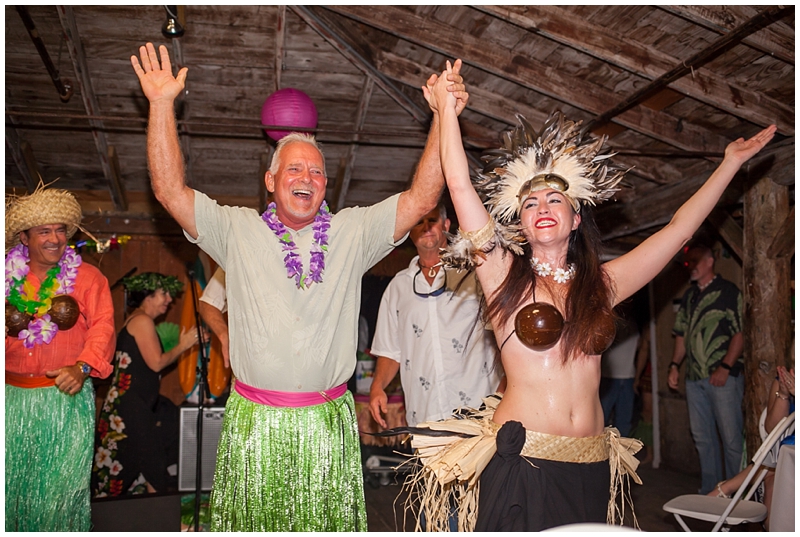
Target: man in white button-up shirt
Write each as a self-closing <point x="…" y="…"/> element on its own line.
<point x="428" y="329"/>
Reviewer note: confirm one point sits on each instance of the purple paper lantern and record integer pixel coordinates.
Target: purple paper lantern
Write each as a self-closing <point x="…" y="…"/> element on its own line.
<point x="291" y="108"/>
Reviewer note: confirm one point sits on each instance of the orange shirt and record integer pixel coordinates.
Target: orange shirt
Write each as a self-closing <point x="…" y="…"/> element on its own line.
<point x="91" y="340"/>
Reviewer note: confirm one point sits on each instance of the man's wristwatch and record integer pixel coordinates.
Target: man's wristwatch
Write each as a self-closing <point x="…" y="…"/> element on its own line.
<point x="723" y="365"/>
<point x="675" y="365"/>
<point x="85" y="368"/>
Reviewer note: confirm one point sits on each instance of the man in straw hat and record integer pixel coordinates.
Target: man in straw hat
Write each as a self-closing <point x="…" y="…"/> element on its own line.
<point x="288" y="456"/>
<point x="59" y="331"/>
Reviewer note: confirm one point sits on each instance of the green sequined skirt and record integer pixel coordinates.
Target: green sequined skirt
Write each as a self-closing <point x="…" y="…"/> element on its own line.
<point x="288" y="469"/>
<point x="49" y="438"/>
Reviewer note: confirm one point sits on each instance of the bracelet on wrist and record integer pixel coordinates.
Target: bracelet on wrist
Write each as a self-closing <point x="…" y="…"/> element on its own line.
<point x="779" y="396"/>
<point x="723" y="365"/>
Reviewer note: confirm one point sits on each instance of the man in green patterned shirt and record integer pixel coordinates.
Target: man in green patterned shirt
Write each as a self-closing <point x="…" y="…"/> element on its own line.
<point x="708" y="332"/>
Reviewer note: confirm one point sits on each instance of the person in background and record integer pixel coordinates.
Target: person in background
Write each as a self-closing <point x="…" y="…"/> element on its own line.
<point x="59" y="332"/>
<point x="213" y="309"/>
<point x="429" y="329"/>
<point x="131" y="455"/>
<point x="708" y="336"/>
<point x="779" y="405"/>
<point x="618" y="370"/>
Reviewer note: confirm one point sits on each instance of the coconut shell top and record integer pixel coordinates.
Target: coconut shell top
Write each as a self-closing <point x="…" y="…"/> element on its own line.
<point x="539" y="325"/>
<point x="64" y="311"/>
<point x="16" y="321"/>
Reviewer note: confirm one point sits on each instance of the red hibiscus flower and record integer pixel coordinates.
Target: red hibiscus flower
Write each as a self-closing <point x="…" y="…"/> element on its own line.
<point x="124" y="382"/>
<point x="102" y="427"/>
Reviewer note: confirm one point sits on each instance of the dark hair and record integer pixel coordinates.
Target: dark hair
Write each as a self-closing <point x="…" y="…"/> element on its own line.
<point x="588" y="302"/>
<point x="135" y="298"/>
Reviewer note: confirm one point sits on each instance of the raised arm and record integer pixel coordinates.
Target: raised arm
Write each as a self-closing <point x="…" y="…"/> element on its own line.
<point x="164" y="157"/>
<point x="472" y="214"/>
<point x="632" y="271"/>
<point x="428" y="182"/>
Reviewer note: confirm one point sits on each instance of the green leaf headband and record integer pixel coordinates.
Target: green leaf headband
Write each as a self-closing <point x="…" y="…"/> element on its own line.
<point x="151" y="281"/>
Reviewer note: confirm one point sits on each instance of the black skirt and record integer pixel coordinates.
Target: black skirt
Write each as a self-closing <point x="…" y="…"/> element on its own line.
<point x="529" y="494"/>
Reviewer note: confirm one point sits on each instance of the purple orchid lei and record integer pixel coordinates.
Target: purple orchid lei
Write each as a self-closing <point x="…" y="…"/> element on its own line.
<point x="41" y="329"/>
<point x="294" y="265"/>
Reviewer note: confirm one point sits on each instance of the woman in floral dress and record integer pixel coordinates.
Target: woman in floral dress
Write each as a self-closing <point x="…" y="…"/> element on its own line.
<point x="129" y="458"/>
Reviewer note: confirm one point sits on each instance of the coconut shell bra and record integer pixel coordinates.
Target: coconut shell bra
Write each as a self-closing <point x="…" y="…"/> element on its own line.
<point x="539" y="325"/>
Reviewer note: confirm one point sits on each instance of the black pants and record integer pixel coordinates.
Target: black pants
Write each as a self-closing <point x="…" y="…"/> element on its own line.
<point x="529" y="494"/>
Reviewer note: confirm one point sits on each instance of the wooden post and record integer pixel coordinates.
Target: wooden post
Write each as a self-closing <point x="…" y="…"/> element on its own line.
<point x="767" y="304"/>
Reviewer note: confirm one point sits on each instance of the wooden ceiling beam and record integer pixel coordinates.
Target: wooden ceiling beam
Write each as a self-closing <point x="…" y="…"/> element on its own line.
<point x="778" y="41"/>
<point x="358" y="54"/>
<point x="658" y="206"/>
<point x="504" y="109"/>
<point x="350" y="156"/>
<point x="23" y="157"/>
<point x="84" y="82"/>
<point x="560" y="25"/>
<point x="530" y="73"/>
<point x="718" y="47"/>
<point x="182" y="110"/>
<point x="280" y="44"/>
<point x="730" y="231"/>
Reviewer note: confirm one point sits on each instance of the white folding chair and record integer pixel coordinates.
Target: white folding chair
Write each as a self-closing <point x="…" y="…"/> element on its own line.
<point x="732" y="511"/>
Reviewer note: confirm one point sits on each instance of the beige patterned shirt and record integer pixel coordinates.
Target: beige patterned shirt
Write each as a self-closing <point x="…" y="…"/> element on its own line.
<point x="281" y="337"/>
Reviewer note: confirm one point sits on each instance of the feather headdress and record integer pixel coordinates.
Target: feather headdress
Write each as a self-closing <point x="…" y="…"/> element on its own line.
<point x="560" y="158"/>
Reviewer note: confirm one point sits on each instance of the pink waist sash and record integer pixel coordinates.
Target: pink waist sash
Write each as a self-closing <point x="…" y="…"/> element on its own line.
<point x="287" y="399"/>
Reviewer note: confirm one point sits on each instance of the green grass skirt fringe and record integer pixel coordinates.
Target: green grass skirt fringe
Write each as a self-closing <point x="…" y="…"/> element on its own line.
<point x="49" y="439"/>
<point x="288" y="469"/>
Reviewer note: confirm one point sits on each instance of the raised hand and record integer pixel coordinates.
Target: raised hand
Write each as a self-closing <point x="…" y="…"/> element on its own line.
<point x="742" y="150"/>
<point x="156" y="77"/>
<point x="457" y="87"/>
<point x="453" y="82"/>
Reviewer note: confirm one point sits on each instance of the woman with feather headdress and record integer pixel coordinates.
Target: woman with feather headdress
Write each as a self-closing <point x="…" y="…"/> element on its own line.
<point x="527" y="231"/>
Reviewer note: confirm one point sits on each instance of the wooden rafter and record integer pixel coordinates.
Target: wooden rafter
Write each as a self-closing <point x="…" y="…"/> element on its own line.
<point x="504" y="109"/>
<point x="23" y="157"/>
<point x="331" y="31"/>
<point x="778" y="42"/>
<point x="84" y="82"/>
<point x="280" y="44"/>
<point x="350" y="157"/>
<point x="560" y="25"/>
<point x="658" y="206"/>
<point x="721" y="45"/>
<point x="528" y="72"/>
<point x="182" y="109"/>
<point x="729" y="230"/>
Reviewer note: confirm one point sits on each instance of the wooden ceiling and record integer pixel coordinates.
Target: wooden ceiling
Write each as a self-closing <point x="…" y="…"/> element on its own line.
<point x="670" y="86"/>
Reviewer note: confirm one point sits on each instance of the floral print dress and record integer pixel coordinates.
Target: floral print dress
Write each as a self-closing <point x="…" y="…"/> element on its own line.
<point x="129" y="452"/>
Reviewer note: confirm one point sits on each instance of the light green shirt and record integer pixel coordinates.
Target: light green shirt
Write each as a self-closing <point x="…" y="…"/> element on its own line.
<point x="281" y="337"/>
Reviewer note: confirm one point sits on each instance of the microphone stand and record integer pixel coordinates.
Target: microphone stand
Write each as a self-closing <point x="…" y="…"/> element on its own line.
<point x="203" y="392"/>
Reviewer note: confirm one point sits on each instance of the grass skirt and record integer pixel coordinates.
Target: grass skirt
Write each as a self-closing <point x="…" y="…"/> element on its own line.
<point x="288" y="469"/>
<point x="49" y="440"/>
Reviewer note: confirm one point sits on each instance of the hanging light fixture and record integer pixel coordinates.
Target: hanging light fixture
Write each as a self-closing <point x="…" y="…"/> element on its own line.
<point x="172" y="28"/>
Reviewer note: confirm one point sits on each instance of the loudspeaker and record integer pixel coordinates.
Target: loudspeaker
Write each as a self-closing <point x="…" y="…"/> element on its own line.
<point x="143" y="512"/>
<point x="187" y="457"/>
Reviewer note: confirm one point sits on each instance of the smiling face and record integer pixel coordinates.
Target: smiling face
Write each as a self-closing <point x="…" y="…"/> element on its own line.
<point x="157" y="303"/>
<point x="547" y="216"/>
<point x="428" y="234"/>
<point x="45" y="244"/>
<point x="298" y="184"/>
